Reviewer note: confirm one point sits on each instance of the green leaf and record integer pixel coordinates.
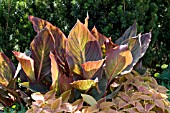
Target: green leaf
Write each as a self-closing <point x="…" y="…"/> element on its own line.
<point x="7" y="70"/>
<point x="65" y="96"/>
<point x="138" y="49"/>
<point x="117" y="59"/>
<point x="130" y="32"/>
<point x="81" y="47"/>
<point x="89" y="99"/>
<point x="27" y="65"/>
<point x="41" y="46"/>
<point x="56" y="104"/>
<point x="83" y="84"/>
<point x="91" y="67"/>
<point x="54" y="73"/>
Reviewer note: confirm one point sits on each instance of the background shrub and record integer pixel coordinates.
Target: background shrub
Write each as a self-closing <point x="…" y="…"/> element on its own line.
<point x="111" y="17"/>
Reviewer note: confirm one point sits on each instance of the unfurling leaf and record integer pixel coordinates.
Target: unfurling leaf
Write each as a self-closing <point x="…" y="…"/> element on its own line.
<point x="130" y="32"/>
<point x="54" y="73"/>
<point x="91" y="67"/>
<point x="109" y="44"/>
<point x="83" y="84"/>
<point x="81" y="47"/>
<point x="41" y="46"/>
<point x="138" y="47"/>
<point x="7" y="70"/>
<point x="117" y="59"/>
<point x="27" y="65"/>
<point x="89" y="99"/>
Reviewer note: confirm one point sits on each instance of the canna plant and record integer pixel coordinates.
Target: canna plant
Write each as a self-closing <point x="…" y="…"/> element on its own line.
<point x="80" y="68"/>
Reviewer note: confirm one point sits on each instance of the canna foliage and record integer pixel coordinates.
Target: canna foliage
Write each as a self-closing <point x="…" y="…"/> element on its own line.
<point x="82" y="67"/>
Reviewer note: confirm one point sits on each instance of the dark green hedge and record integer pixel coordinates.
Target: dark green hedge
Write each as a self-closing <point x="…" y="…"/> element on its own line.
<point x="111" y="17"/>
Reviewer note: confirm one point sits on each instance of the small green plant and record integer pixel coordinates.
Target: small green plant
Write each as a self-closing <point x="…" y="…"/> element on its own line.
<point x="15" y="108"/>
<point x="69" y="74"/>
<point x="163" y="77"/>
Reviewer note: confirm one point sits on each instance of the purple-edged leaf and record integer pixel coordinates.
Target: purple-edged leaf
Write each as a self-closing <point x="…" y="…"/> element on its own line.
<point x="138" y="49"/>
<point x="81" y="47"/>
<point x="64" y="83"/>
<point x="148" y="107"/>
<point x="54" y="72"/>
<point x="91" y="67"/>
<point x="130" y="32"/>
<point x="27" y="64"/>
<point x="60" y="39"/>
<point x="41" y="46"/>
<point x="117" y="59"/>
<point x="83" y="84"/>
<point x="101" y="38"/>
<point x="7" y="69"/>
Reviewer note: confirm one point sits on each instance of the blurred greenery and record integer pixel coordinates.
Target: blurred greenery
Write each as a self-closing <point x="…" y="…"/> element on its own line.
<point x="111" y="17"/>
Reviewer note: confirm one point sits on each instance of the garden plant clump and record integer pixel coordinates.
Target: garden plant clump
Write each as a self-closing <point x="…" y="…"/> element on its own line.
<point x="84" y="72"/>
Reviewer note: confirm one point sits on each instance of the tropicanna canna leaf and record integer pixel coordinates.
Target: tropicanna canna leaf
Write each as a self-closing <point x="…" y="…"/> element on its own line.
<point x="138" y="49"/>
<point x="27" y="65"/>
<point x="91" y="67"/>
<point x="109" y="44"/>
<point x="83" y="85"/>
<point x="59" y="37"/>
<point x="64" y="83"/>
<point x="100" y="37"/>
<point x="81" y="47"/>
<point x="130" y="32"/>
<point x="54" y="73"/>
<point x="41" y="46"/>
<point x="7" y="70"/>
<point x="117" y="59"/>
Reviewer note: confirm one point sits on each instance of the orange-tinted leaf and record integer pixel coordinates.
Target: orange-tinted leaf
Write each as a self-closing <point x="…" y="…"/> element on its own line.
<point x="117" y="59"/>
<point x="64" y="83"/>
<point x="83" y="84"/>
<point x="81" y="47"/>
<point x="101" y="38"/>
<point x="54" y="73"/>
<point x="41" y="46"/>
<point x="86" y="20"/>
<point x="91" y="67"/>
<point x="89" y="99"/>
<point x="7" y="69"/>
<point x="27" y="64"/>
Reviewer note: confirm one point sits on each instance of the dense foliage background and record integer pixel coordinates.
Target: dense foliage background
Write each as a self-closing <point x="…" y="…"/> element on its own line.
<point x="111" y="17"/>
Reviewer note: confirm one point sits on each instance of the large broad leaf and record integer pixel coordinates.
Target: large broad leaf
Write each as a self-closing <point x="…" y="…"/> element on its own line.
<point x="130" y="32"/>
<point x="60" y="39"/>
<point x="83" y="85"/>
<point x="41" y="46"/>
<point x="101" y="38"/>
<point x="27" y="64"/>
<point x="138" y="48"/>
<point x="91" y="67"/>
<point x="81" y="47"/>
<point x="117" y="59"/>
<point x="54" y="72"/>
<point x="7" y="69"/>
